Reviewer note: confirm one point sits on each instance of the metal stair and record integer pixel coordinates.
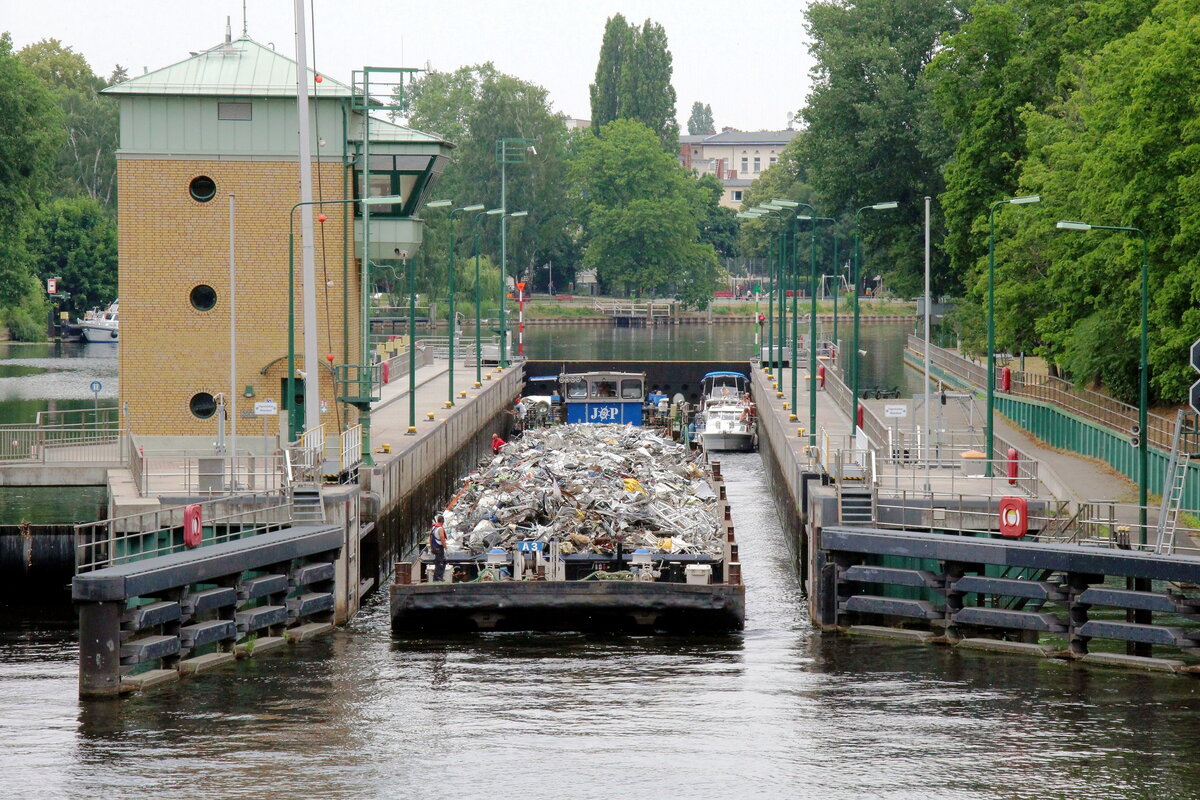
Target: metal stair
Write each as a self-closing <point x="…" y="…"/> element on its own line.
<point x="856" y="504"/>
<point x="1174" y="481"/>
<point x="307" y="507"/>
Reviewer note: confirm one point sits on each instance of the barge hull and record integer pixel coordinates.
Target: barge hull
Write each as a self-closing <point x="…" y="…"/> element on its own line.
<point x="568" y="606"/>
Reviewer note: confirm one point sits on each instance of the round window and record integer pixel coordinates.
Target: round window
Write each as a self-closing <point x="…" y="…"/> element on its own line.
<point x="202" y="188"/>
<point x="203" y="405"/>
<point x="203" y="297"/>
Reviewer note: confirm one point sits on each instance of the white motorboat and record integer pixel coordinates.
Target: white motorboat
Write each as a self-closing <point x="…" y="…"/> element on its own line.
<point x="101" y="326"/>
<point x="727" y="418"/>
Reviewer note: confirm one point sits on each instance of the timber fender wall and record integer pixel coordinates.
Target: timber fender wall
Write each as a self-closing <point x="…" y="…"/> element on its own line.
<point x="413" y="484"/>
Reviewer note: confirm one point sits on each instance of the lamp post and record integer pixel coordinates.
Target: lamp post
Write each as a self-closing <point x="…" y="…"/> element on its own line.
<point x="453" y="317"/>
<point x="512" y="150"/>
<point x="1143" y="361"/>
<point x="478" y="314"/>
<point x="504" y="215"/>
<point x="755" y="214"/>
<point x="857" y="266"/>
<point x="294" y="422"/>
<point x="780" y="261"/>
<point x="991" y="327"/>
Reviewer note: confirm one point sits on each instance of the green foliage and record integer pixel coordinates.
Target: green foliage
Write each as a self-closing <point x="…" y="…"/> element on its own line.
<point x="86" y="161"/>
<point x="478" y="106"/>
<point x="871" y="134"/>
<point x="642" y="216"/>
<point x="1100" y="353"/>
<point x="701" y="123"/>
<point x="74" y="239"/>
<point x="614" y="50"/>
<point x="633" y="80"/>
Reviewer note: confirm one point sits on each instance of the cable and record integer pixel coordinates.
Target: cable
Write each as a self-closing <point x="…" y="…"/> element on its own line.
<point x="321" y="196"/>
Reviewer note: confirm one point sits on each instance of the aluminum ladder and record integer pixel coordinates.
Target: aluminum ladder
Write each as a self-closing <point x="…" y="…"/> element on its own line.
<point x="1174" y="480"/>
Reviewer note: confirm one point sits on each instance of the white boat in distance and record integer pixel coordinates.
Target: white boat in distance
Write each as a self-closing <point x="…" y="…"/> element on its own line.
<point x="728" y="414"/>
<point x="101" y="326"/>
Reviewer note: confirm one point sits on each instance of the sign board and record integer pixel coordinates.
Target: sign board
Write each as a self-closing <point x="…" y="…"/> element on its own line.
<point x="266" y="408"/>
<point x="95" y="387"/>
<point x="530" y="546"/>
<point x="52" y="285"/>
<point x="895" y="411"/>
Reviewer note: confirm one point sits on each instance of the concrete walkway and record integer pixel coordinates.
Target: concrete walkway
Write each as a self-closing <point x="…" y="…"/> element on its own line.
<point x="390" y="417"/>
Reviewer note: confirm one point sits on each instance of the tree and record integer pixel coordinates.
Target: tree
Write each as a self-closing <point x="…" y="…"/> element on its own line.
<point x="477" y="106"/>
<point x="718" y="225"/>
<point x="74" y="239"/>
<point x="614" y="50"/>
<point x="646" y="91"/>
<point x="30" y="121"/>
<point x="700" y="122"/>
<point x="641" y="215"/>
<point x="633" y="80"/>
<point x="86" y="162"/>
<point x="871" y="133"/>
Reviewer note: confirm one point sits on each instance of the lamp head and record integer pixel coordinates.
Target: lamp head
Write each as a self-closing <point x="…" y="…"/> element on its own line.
<point x="1028" y="198"/>
<point x="476" y="207"/>
<point x="784" y="203"/>
<point x="1067" y="225"/>
<point x="770" y="207"/>
<point x="519" y="214"/>
<point x="491" y="212"/>
<point x="387" y="200"/>
<point x="437" y="204"/>
<point x="885" y="206"/>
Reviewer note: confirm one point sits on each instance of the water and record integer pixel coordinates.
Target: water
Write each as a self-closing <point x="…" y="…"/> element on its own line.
<point x="778" y="710"/>
<point x="42" y="377"/>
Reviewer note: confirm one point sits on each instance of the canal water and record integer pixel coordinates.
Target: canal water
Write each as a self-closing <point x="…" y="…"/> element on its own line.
<point x="775" y="711"/>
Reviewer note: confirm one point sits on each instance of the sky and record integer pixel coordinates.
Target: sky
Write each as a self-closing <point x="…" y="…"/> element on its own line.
<point x="748" y="59"/>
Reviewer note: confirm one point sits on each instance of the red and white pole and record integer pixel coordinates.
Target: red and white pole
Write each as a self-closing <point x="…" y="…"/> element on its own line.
<point x="521" y="319"/>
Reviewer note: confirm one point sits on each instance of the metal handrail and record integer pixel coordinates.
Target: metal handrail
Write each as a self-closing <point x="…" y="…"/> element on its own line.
<point x="134" y="537"/>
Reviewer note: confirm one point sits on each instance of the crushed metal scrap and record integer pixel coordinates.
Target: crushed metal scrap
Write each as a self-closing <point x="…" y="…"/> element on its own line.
<point x="590" y="487"/>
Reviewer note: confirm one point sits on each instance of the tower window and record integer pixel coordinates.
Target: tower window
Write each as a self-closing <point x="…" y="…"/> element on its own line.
<point x="202" y="188"/>
<point x="203" y="405"/>
<point x="203" y="297"/>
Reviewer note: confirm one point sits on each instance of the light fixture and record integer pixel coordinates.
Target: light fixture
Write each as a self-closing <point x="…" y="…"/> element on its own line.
<point x="491" y="212"/>
<point x="784" y="203"/>
<point x="386" y="200"/>
<point x="476" y="207"/>
<point x="1028" y="198"/>
<point x="438" y="204"/>
<point x="885" y="206"/>
<point x="1073" y="226"/>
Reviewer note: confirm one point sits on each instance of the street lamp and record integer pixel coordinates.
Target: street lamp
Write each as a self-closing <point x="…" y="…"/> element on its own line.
<point x="857" y="266"/>
<point x="453" y="317"/>
<point x="778" y="287"/>
<point x="1143" y="361"/>
<point x="991" y="327"/>
<point x="311" y="379"/>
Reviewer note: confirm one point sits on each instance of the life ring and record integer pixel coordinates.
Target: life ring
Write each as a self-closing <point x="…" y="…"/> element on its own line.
<point x="193" y="530"/>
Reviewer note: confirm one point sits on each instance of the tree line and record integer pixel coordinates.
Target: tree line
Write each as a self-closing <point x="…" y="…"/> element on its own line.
<point x="57" y="184"/>
<point x="1088" y="103"/>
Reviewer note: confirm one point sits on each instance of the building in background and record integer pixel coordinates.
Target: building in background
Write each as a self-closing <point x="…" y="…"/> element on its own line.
<point x="736" y="157"/>
<point x="224" y="122"/>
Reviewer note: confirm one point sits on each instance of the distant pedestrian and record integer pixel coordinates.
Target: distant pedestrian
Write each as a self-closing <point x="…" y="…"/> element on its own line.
<point x="497" y="443"/>
<point x="437" y="546"/>
<point x="522" y="412"/>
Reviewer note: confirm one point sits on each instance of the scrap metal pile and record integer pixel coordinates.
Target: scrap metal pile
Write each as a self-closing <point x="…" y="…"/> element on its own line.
<point x="590" y="487"/>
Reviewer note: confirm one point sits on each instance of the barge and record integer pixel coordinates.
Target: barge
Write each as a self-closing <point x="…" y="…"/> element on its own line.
<point x="581" y="528"/>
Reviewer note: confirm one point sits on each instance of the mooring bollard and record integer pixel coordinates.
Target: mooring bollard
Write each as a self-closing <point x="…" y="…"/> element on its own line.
<point x="735" y="573"/>
<point x="404" y="572"/>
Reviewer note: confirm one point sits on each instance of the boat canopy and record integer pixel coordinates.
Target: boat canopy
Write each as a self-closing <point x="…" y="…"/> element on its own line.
<point x="725" y="374"/>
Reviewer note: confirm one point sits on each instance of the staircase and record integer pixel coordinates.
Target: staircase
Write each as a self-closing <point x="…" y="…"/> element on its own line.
<point x="856" y="503"/>
<point x="307" y="508"/>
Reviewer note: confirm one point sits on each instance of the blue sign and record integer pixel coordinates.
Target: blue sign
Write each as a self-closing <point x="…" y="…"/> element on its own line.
<point x="96" y="387"/>
<point x="530" y="547"/>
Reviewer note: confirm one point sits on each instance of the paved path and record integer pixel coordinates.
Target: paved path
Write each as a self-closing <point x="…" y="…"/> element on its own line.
<point x="391" y="415"/>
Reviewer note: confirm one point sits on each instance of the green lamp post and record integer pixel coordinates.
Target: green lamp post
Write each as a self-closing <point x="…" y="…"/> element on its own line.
<point x="510" y="150"/>
<point x="1143" y="361"/>
<point x="854" y="370"/>
<point x="453" y="317"/>
<point x="991" y="325"/>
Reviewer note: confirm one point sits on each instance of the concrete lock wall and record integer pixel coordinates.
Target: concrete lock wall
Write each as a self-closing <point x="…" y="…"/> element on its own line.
<point x="411" y="485"/>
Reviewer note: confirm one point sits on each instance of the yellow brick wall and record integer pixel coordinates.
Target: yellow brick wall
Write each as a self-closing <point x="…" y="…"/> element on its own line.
<point x="170" y="243"/>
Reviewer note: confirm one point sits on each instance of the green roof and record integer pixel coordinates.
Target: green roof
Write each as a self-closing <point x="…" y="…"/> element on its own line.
<point x="242" y="67"/>
<point x="384" y="131"/>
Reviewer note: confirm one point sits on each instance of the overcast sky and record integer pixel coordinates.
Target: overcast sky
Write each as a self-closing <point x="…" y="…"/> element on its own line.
<point x="748" y="59"/>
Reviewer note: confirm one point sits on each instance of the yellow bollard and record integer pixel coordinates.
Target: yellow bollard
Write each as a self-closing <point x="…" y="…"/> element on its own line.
<point x="429" y="416"/>
<point x="791" y="417"/>
<point x="411" y="430"/>
<point x="799" y="431"/>
<point x="448" y="404"/>
<point x="463" y="393"/>
<point x="477" y="385"/>
<point x="785" y="405"/>
<point x="487" y="376"/>
<point x="778" y="395"/>
<point x="384" y="448"/>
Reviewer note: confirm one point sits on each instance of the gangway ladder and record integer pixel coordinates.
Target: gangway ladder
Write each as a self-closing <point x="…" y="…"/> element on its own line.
<point x="1172" y="498"/>
<point x="307" y="507"/>
<point x="855" y="492"/>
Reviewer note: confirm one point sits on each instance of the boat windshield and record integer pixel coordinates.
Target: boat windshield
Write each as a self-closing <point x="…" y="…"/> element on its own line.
<point x="631" y="389"/>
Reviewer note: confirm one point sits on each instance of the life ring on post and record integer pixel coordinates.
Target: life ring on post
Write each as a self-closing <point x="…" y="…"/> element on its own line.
<point x="1014" y="517"/>
<point x="193" y="530"/>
